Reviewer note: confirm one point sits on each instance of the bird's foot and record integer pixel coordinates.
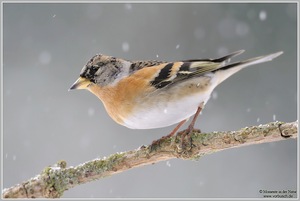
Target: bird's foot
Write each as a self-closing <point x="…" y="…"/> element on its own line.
<point x="186" y="138"/>
<point x="156" y="143"/>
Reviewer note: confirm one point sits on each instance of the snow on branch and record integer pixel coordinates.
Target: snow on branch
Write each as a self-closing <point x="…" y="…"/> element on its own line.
<point x="54" y="180"/>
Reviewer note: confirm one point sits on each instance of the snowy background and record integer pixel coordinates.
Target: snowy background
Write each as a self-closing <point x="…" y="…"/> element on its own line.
<point x="46" y="45"/>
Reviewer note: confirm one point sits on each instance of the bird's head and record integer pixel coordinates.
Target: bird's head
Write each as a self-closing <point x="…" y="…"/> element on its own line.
<point x="101" y="70"/>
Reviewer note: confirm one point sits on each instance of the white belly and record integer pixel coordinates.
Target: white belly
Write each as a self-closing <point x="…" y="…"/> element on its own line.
<point x="165" y="113"/>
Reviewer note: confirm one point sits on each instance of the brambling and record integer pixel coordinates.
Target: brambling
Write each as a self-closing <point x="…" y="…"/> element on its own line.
<point x="155" y="94"/>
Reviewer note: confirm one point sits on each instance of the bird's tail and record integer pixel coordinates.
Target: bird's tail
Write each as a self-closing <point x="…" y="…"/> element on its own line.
<point x="227" y="70"/>
<point x="227" y="58"/>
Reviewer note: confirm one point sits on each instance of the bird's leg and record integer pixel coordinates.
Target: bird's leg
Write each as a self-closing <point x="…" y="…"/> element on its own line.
<point x="175" y="129"/>
<point x="190" y="128"/>
<point x="192" y="124"/>
<point x="170" y="134"/>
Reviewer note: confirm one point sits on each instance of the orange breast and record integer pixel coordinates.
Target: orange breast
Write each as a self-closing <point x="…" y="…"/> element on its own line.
<point x="121" y="99"/>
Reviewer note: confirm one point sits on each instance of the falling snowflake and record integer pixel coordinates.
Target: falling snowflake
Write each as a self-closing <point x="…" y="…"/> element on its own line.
<point x="45" y="57"/>
<point x="214" y="95"/>
<point x="91" y="111"/>
<point x="128" y="6"/>
<point x="125" y="46"/>
<point x="262" y="15"/>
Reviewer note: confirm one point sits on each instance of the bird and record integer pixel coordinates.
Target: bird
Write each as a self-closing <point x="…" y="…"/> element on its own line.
<point x="148" y="94"/>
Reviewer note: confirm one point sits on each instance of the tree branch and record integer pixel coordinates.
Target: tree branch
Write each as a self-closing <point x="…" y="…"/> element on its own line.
<point x="53" y="181"/>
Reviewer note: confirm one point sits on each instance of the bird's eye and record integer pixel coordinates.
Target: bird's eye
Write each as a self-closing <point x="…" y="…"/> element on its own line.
<point x="93" y="70"/>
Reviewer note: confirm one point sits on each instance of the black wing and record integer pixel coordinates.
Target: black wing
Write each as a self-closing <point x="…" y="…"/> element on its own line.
<point x="178" y="71"/>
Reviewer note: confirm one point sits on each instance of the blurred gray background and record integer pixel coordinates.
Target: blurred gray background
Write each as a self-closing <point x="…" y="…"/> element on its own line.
<point x="46" y="45"/>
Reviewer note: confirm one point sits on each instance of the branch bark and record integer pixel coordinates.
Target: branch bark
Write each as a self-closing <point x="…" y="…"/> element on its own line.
<point x="53" y="181"/>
